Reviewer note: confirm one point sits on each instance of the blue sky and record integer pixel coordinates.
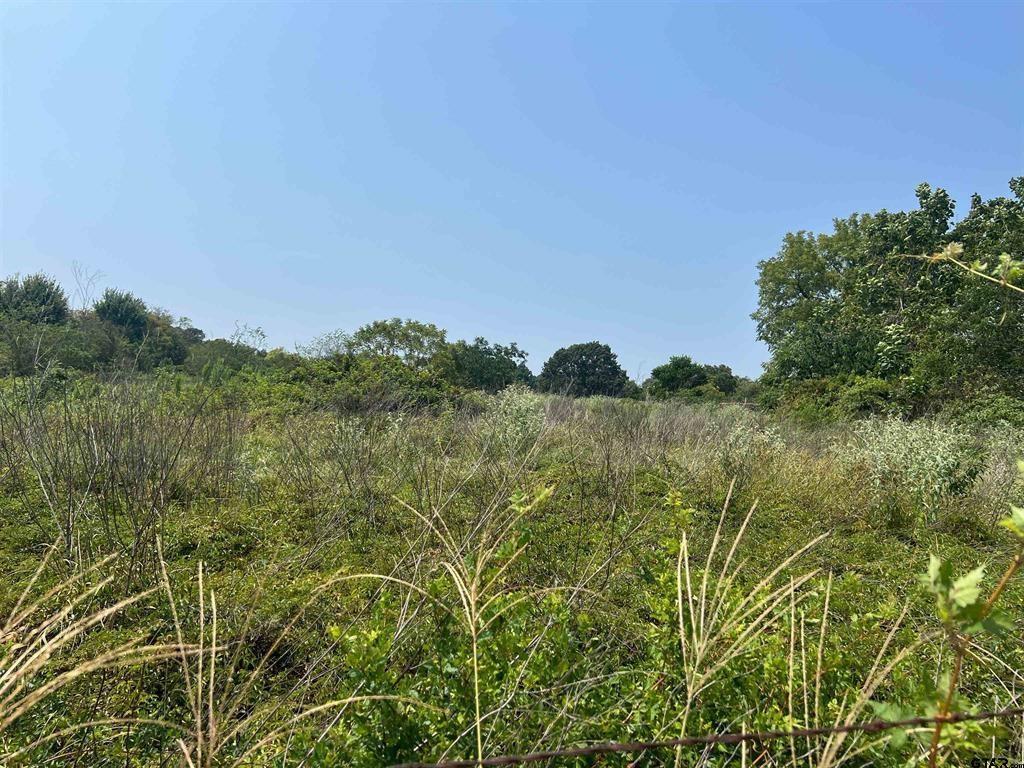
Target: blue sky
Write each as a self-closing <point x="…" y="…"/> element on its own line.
<point x="543" y="173"/>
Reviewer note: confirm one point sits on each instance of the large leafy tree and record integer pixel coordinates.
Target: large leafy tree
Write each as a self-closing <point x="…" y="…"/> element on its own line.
<point x="123" y="310"/>
<point x="856" y="302"/>
<point x="681" y="374"/>
<point x="33" y="299"/>
<point x="583" y="370"/>
<point x="490" y="367"/>
<point x="414" y="342"/>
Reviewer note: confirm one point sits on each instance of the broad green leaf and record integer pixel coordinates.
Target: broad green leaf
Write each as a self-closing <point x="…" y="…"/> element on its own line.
<point x="996" y="623"/>
<point x="967" y="589"/>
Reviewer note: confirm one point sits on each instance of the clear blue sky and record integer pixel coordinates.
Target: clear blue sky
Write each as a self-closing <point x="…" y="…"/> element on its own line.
<point x="543" y="173"/>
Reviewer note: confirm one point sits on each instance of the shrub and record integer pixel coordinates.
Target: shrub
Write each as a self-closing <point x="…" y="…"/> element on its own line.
<point x="987" y="409"/>
<point x="123" y="310"/>
<point x="820" y="401"/>
<point x="923" y="461"/>
<point x="516" y="418"/>
<point x="745" y="444"/>
<point x="34" y="299"/>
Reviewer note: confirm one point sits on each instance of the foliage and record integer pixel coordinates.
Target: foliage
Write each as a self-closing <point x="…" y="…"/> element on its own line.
<point x="213" y="358"/>
<point x="391" y="565"/>
<point x="987" y="409"/>
<point x="964" y="614"/>
<point x="381" y="582"/>
<point x="33" y="299"/>
<point x="927" y="462"/>
<point x="583" y="370"/>
<point x="853" y="302"/>
<point x="488" y="367"/>
<point x="836" y="399"/>
<point x="516" y="419"/>
<point x="125" y="311"/>
<point x="414" y="342"/>
<point x="681" y="376"/>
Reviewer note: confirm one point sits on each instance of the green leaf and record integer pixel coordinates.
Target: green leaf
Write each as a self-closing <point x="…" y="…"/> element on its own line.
<point x="1015" y="522"/>
<point x="996" y="623"/>
<point x="939" y="577"/>
<point x="967" y="589"/>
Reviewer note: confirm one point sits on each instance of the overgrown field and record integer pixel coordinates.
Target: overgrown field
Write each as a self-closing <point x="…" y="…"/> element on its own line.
<point x="524" y="573"/>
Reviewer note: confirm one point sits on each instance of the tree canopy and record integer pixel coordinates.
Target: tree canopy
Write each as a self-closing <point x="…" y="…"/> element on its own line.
<point x="583" y="370"/>
<point x="124" y="310"/>
<point x="682" y="375"/>
<point x="490" y="367"/>
<point x="34" y="299"/>
<point x="866" y="301"/>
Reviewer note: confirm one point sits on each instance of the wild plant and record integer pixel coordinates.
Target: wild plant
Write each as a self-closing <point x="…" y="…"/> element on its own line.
<point x="341" y="465"/>
<point x="476" y="568"/>
<point x="107" y="460"/>
<point x="48" y="449"/>
<point x="999" y="480"/>
<point x="924" y="462"/>
<point x="964" y="614"/>
<point x="718" y="621"/>
<point x="745" y="445"/>
<point x="842" y="746"/>
<point x="515" y="420"/>
<point x="227" y="726"/>
<point x="42" y="625"/>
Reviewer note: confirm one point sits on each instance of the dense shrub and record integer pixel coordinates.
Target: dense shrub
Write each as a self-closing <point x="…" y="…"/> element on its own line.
<point x="923" y="461"/>
<point x="124" y="311"/>
<point x="33" y="299"/>
<point x="818" y="401"/>
<point x="515" y="419"/>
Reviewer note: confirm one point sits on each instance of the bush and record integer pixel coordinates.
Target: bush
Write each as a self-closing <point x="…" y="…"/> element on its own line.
<point x="828" y="400"/>
<point x="923" y="462"/>
<point x="516" y="418"/>
<point x="123" y="310"/>
<point x="987" y="410"/>
<point x="34" y="299"/>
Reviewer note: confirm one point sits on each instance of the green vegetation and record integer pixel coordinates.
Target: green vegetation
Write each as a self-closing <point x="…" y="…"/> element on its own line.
<point x="390" y="546"/>
<point x="681" y="377"/>
<point x="883" y="314"/>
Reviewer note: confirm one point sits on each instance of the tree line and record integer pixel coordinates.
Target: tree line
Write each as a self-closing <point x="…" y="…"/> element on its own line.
<point x="41" y="332"/>
<point x="875" y="316"/>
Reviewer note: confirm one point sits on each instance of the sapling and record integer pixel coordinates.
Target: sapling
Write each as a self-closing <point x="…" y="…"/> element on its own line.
<point x="964" y="613"/>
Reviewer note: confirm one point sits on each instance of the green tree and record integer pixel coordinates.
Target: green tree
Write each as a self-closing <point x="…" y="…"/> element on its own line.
<point x="583" y="370"/>
<point x="414" y="342"/>
<point x="853" y="303"/>
<point x="220" y="355"/>
<point x="34" y="299"/>
<point x="679" y="373"/>
<point x="490" y="367"/>
<point x="125" y="311"/>
<point x="682" y="375"/>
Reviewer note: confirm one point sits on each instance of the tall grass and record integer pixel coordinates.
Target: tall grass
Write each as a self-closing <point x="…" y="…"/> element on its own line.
<point x="44" y="623"/>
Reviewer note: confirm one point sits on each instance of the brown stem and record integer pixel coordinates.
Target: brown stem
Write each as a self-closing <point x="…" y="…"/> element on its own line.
<point x="960" y="646"/>
<point x="1010" y="570"/>
<point x="947" y="702"/>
